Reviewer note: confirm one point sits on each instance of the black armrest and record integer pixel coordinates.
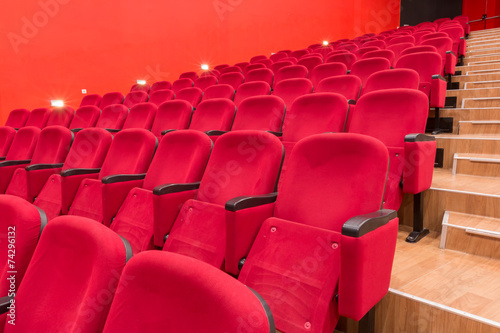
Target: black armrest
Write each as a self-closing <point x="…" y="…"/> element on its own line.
<point x="5" y="303"/>
<point x="122" y="178"/>
<point x="75" y="172"/>
<point x="360" y="225"/>
<point x="174" y="188"/>
<point x="437" y="76"/>
<point x="76" y="130"/>
<point x="112" y="130"/>
<point x="243" y="202"/>
<point x="348" y="71"/>
<point x="215" y="132"/>
<point x="278" y="134"/>
<point x="2" y="158"/>
<point x="451" y="53"/>
<point x="167" y="131"/>
<point x="462" y="37"/>
<point x="351" y="101"/>
<point x="18" y="162"/>
<point x="419" y="137"/>
<point x="34" y="167"/>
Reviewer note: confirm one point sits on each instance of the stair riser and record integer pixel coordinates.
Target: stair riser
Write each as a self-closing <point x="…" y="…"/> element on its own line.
<point x="482" y="52"/>
<point x="482" y="67"/>
<point x="476" y="60"/>
<point x="485" y="128"/>
<point x="473" y="93"/>
<point x="467" y="115"/>
<point x="471" y="103"/>
<point x="473" y="168"/>
<point x="471" y="146"/>
<point x="482" y="85"/>
<point x="474" y="78"/>
<point x="459" y="240"/>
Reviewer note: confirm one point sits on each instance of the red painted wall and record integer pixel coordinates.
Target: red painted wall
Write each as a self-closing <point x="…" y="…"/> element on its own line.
<point x="475" y="10"/>
<point x="51" y="49"/>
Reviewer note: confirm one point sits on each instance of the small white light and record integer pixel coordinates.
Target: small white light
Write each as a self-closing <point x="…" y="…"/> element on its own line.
<point x="141" y="82"/>
<point x="205" y="67"/>
<point x="325" y="43"/>
<point x="57" y="102"/>
<point x="272" y="53"/>
<point x="84" y="91"/>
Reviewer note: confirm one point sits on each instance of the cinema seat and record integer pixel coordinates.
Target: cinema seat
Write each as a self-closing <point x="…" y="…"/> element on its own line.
<point x="299" y="53"/>
<point x="231" y="69"/>
<point x="392" y="79"/>
<point x="290" y="89"/>
<point x="89" y="259"/>
<point x="233" y="79"/>
<point x="172" y="115"/>
<point x="7" y="135"/>
<point x="265" y="62"/>
<point x="249" y="89"/>
<point x="141" y="87"/>
<point x="418" y="49"/>
<point x="170" y="285"/>
<point x="339" y="229"/>
<point x="91" y="100"/>
<point x="291" y="72"/>
<point x="257" y="58"/>
<point x="242" y="65"/>
<point x="135" y="97"/>
<point x="252" y="67"/>
<point x="49" y="155"/>
<point x="387" y="54"/>
<point x="17" y="118"/>
<point x="260" y="74"/>
<point x="111" y="98"/>
<point x="444" y="47"/>
<point x="277" y="56"/>
<point x="323" y="50"/>
<point x="84" y="160"/>
<point x="113" y="117"/>
<point x="210" y="72"/>
<point x="432" y="36"/>
<point x="219" y="91"/>
<point x="124" y="168"/>
<point x="206" y="81"/>
<point x="189" y="75"/>
<point x="191" y="95"/>
<point x="214" y="116"/>
<point x="378" y="43"/>
<point x="24" y="224"/>
<point x="181" y="84"/>
<point x="19" y="155"/>
<point x="61" y="116"/>
<point x="180" y="160"/>
<point x="38" y="117"/>
<point x="398" y="49"/>
<point x="242" y="163"/>
<point x="85" y="116"/>
<point x="345" y="58"/>
<point x="221" y="67"/>
<point x="161" y="96"/>
<point x="401" y="39"/>
<point x="348" y="46"/>
<point x="456" y="33"/>
<point x="141" y="115"/>
<point x="160" y="85"/>
<point x="323" y="71"/>
<point x="348" y="86"/>
<point x="263" y="113"/>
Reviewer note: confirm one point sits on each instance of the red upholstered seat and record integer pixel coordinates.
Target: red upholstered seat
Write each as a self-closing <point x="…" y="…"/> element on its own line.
<point x="213" y="115"/>
<point x="291" y="72"/>
<point x="252" y="67"/>
<point x="191" y="95"/>
<point x="299" y="53"/>
<point x="323" y="71"/>
<point x="314" y="244"/>
<point x="89" y="259"/>
<point x="249" y="89"/>
<point x="418" y="49"/>
<point x="206" y="81"/>
<point x="161" y="96"/>
<point x="378" y="43"/>
<point x="401" y="39"/>
<point x="347" y="85"/>
<point x="91" y="100"/>
<point x="172" y="115"/>
<point x="260" y="113"/>
<point x="85" y="116"/>
<point x="171" y="291"/>
<point x="456" y="33"/>
<point x="84" y="160"/>
<point x="432" y="36"/>
<point x="38" y="117"/>
<point x="7" y="135"/>
<point x="391" y="79"/>
<point x="219" y="91"/>
<point x="260" y="74"/>
<point x="160" y="85"/>
<point x="111" y="98"/>
<point x="49" y="155"/>
<point x="444" y="46"/>
<point x="182" y="83"/>
<point x="398" y="49"/>
<point x="141" y="115"/>
<point x="61" y="117"/>
<point x="346" y="58"/>
<point x="290" y="89"/>
<point x="233" y="79"/>
<point x="280" y="64"/>
<point x="387" y="54"/>
<point x="113" y="117"/>
<point x="189" y="75"/>
<point x="141" y="87"/>
<point x="231" y="69"/>
<point x="242" y="65"/>
<point x="135" y="97"/>
<point x="17" y="118"/>
<point x="257" y="58"/>
<point x="221" y="67"/>
<point x="365" y="67"/>
<point x="278" y="56"/>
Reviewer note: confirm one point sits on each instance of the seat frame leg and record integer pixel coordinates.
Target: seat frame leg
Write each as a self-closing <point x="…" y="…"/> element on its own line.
<point x="437" y="119"/>
<point x="367" y="323"/>
<point x="419" y="231"/>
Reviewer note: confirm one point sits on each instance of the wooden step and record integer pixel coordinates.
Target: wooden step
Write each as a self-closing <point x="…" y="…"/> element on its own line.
<point x="478" y="59"/>
<point x="462" y="94"/>
<point x="469" y="144"/>
<point x="481" y="67"/>
<point x="482" y="84"/>
<point x="484" y="102"/>
<point x="475" y="78"/>
<point x="473" y="234"/>
<point x="485" y="165"/>
<point x="482" y="40"/>
<point x="485" y="45"/>
<point x="479" y="127"/>
<point x="482" y="52"/>
<point x="461" y="115"/>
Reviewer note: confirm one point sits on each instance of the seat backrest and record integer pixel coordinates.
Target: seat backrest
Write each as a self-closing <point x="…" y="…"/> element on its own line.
<point x="248" y="89"/>
<point x="52" y="146"/>
<point x="361" y="51"/>
<point x="257" y="58"/>
<point x="365" y="67"/>
<point x="351" y="47"/>
<point x="210" y="72"/>
<point x="432" y="36"/>
<point x="418" y="49"/>
<point x="241" y="163"/>
<point x="141" y="115"/>
<point x="17" y="118"/>
<point x="346" y="58"/>
<point x="323" y="50"/>
<point x="219" y="91"/>
<point x="290" y="89"/>
<point x="181" y="157"/>
<point x="277" y="56"/>
<point x="131" y="152"/>
<point x="189" y="75"/>
<point x="260" y="113"/>
<point x="391" y="79"/>
<point x="387" y="54"/>
<point x="7" y="135"/>
<point x="401" y="39"/>
<point x="206" y="81"/>
<point x="398" y="48"/>
<point x="213" y="114"/>
<point x="242" y="65"/>
<point x="328" y="202"/>
<point x="192" y="95"/>
<point x="92" y="99"/>
<point x="160" y="96"/>
<point x="135" y="97"/>
<point x="89" y="149"/>
<point x="23" y="144"/>
<point x="348" y="86"/>
<point x="252" y="67"/>
<point x="89" y="259"/>
<point x="265" y="62"/>
<point x="313" y="114"/>
<point x="23" y="222"/>
<point x="231" y="69"/>
<point x="113" y="117"/>
<point x="181" y="84"/>
<point x="260" y="74"/>
<point x="160" y="85"/>
<point x="426" y="64"/>
<point x="172" y="115"/>
<point x="85" y="116"/>
<point x="111" y="98"/>
<point x="169" y="286"/>
<point x="389" y="115"/>
<point x="291" y="72"/>
<point x="38" y="117"/>
<point x="233" y="79"/>
<point x="323" y="71"/>
<point x="378" y="43"/>
<point x="141" y="87"/>
<point x="221" y="67"/>
<point x="419" y="34"/>
<point x="61" y="117"/>
<point x="299" y="53"/>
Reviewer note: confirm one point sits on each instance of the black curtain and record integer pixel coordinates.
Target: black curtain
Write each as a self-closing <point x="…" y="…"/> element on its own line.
<point x="415" y="11"/>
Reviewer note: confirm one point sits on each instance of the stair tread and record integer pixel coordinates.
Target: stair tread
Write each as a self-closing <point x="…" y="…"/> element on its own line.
<point x="474" y="221"/>
<point x="443" y="179"/>
<point x="485" y="156"/>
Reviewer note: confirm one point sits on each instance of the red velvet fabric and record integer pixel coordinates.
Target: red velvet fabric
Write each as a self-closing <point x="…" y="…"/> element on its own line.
<point x="260" y="74"/>
<point x="249" y="89"/>
<point x="443" y="44"/>
<point x="391" y="79"/>
<point x="387" y="54"/>
<point x="85" y="116"/>
<point x="257" y="58"/>
<point x="7" y="135"/>
<point x="91" y="100"/>
<point x="61" y="117"/>
<point x="78" y="264"/>
<point x="204" y="82"/>
<point x="172" y="115"/>
<point x="251" y="67"/>
<point x="346" y="58"/>
<point x="160" y="85"/>
<point x="419" y="166"/>
<point x="141" y="115"/>
<point x="401" y="39"/>
<point x="418" y="49"/>
<point x="113" y="117"/>
<point x="242" y="65"/>
<point x="135" y="97"/>
<point x="290" y="89"/>
<point x="219" y="91"/>
<point x="189" y="75"/>
<point x="38" y="117"/>
<point x="291" y="72"/>
<point x="438" y="93"/>
<point x="231" y="69"/>
<point x="456" y="33"/>
<point x="398" y="48"/>
<point x="377" y="43"/>
<point x="323" y="71"/>
<point x="280" y="64"/>
<point x="17" y="118"/>
<point x="182" y="83"/>
<point x="365" y="67"/>
<point x="347" y="85"/>
<point x="233" y="79"/>
<point x="160" y="96"/>
<point x="260" y="112"/>
<point x="192" y="95"/>
<point x="180" y="294"/>
<point x="110" y="99"/>
<point x="140" y="87"/>
<point x="214" y="114"/>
